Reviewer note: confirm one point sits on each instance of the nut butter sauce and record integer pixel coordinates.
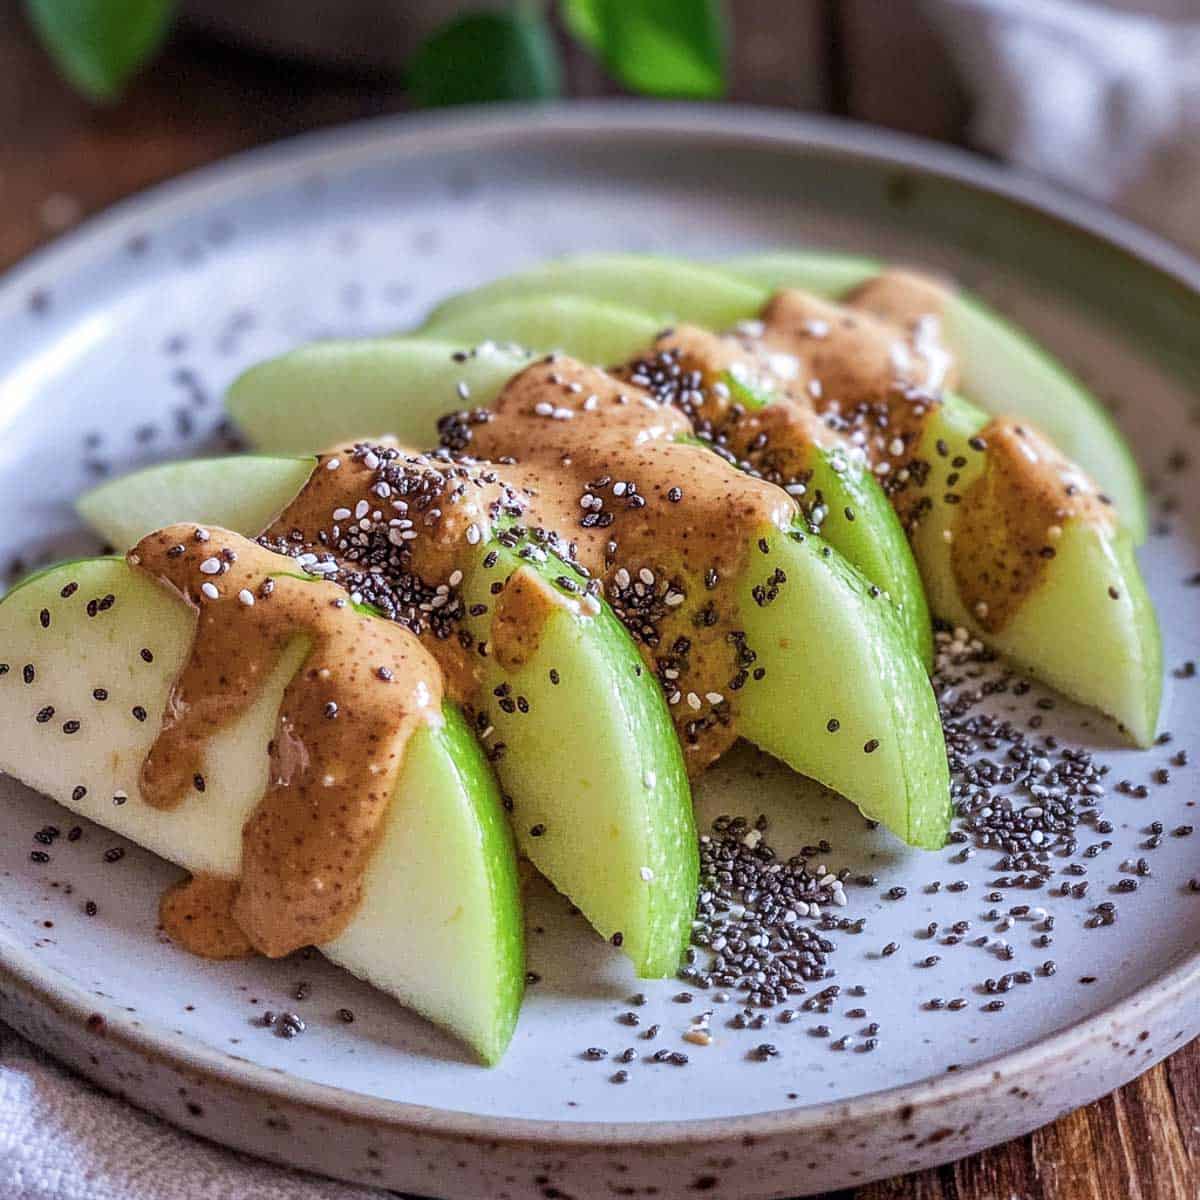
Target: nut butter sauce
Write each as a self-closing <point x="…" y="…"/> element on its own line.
<point x="869" y="372"/>
<point x="345" y="720"/>
<point x="591" y="467"/>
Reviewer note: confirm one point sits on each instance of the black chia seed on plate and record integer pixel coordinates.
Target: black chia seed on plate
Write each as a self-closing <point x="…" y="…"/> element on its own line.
<point x="755" y="915"/>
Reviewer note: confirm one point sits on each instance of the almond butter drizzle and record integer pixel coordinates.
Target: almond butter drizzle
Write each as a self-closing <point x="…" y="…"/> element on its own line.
<point x="363" y="690"/>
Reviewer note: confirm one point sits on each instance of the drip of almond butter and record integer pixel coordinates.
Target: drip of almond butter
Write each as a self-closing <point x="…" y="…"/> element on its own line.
<point x="197" y="914"/>
<point x="345" y="720"/>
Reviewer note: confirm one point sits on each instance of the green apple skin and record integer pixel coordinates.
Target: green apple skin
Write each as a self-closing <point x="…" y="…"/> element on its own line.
<point x="330" y="392"/>
<point x="546" y="323"/>
<point x="1001" y="369"/>
<point x="595" y="762"/>
<point x="859" y="522"/>
<point x="454" y="955"/>
<point x="666" y="290"/>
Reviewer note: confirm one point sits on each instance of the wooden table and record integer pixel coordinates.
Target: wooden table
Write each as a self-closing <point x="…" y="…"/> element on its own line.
<point x="60" y="159"/>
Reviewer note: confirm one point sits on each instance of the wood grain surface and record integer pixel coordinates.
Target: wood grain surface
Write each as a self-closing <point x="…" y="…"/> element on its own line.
<point x="61" y="160"/>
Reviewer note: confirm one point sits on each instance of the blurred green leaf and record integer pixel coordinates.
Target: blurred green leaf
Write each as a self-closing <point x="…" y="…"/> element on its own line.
<point x="659" y="47"/>
<point x="487" y="56"/>
<point x="99" y="44"/>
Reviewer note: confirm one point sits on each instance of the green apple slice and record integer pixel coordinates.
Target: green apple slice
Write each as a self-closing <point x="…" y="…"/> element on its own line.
<point x="1088" y="629"/>
<point x="665" y="289"/>
<point x="1001" y="369"/>
<point x="844" y="698"/>
<point x="333" y="391"/>
<point x="123" y="509"/>
<point x="595" y="763"/>
<point x="599" y="333"/>
<point x="825" y="273"/>
<point x="455" y="955"/>
<point x="841" y="498"/>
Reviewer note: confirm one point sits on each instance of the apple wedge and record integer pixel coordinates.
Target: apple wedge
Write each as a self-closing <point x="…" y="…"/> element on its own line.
<point x="90" y="652"/>
<point x="333" y="391"/>
<point x="591" y="761"/>
<point x="664" y="289"/>
<point x="548" y="322"/>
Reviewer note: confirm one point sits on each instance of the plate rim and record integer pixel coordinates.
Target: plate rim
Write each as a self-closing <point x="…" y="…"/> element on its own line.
<point x="263" y="168"/>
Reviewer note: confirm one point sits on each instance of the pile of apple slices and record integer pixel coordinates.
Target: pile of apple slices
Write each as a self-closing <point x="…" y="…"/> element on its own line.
<point x="595" y="785"/>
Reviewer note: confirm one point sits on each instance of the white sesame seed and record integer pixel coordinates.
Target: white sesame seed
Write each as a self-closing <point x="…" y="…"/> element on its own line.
<point x="361" y="509"/>
<point x="456" y="577"/>
<point x="646" y="576"/>
<point x="693" y="701"/>
<point x="371" y="460"/>
<point x="210" y="566"/>
<point x="246" y="597"/>
<point x="341" y="514"/>
<point x="210" y="590"/>
<point x="647" y="874"/>
<point x="621" y="578"/>
<point x="473" y="534"/>
<point x="714" y="697"/>
<point x="333" y="464"/>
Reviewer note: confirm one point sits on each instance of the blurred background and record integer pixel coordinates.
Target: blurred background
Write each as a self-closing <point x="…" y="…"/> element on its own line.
<point x="99" y="98"/>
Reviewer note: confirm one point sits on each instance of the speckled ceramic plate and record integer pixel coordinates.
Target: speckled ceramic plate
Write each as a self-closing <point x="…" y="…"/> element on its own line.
<point x="116" y="344"/>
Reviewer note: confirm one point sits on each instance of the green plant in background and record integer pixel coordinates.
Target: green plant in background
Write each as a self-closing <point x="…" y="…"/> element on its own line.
<point x="99" y="44"/>
<point x="656" y="47"/>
